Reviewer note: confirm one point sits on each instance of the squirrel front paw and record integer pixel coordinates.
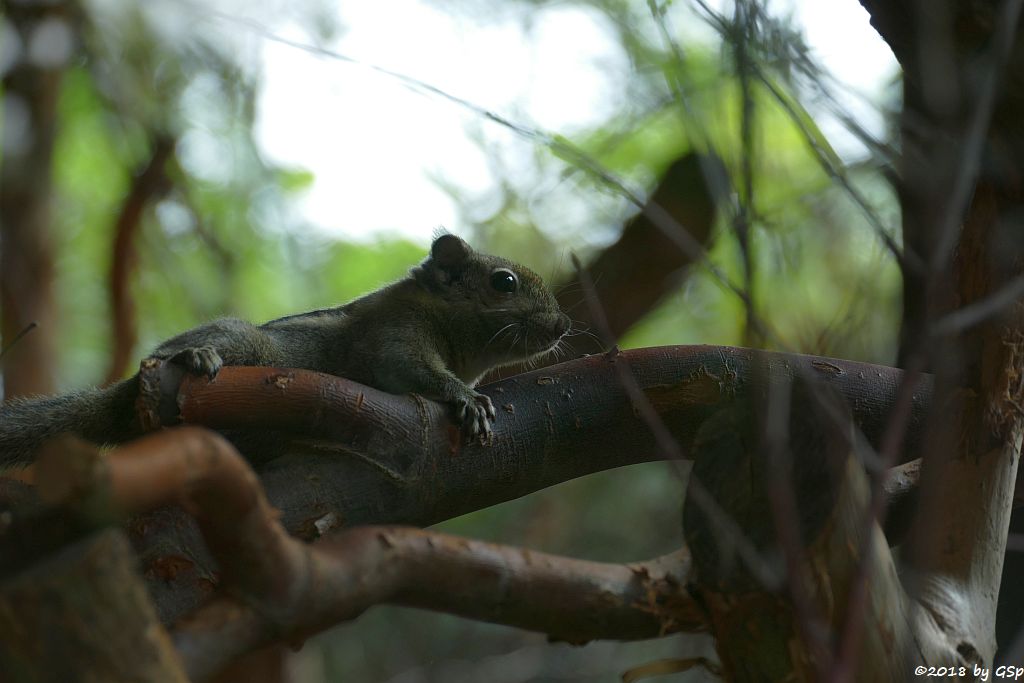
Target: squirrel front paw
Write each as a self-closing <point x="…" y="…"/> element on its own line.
<point x="475" y="413"/>
<point x="201" y="360"/>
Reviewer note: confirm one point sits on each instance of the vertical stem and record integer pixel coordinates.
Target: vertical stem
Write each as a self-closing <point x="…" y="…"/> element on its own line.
<point x="744" y="26"/>
<point x="30" y="91"/>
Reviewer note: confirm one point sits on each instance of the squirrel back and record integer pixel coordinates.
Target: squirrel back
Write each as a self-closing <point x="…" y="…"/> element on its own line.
<point x="436" y="332"/>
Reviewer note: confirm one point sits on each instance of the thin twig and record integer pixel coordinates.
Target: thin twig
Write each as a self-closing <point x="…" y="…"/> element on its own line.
<point x="661" y="218"/>
<point x="979" y="311"/>
<point x="17" y="338"/>
<point x="744" y="26"/>
<point x="668" y="445"/>
<point x="905" y="258"/>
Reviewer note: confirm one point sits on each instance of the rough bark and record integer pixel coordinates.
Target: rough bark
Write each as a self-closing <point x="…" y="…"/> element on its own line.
<point x="702" y="394"/>
<point x="779" y="520"/>
<point x="275" y="587"/>
<point x="83" y="614"/>
<point x="359" y="456"/>
<point x="959" y="533"/>
<point x="962" y="149"/>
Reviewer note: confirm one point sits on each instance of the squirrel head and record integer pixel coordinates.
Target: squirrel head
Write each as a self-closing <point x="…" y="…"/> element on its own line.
<point x="501" y="312"/>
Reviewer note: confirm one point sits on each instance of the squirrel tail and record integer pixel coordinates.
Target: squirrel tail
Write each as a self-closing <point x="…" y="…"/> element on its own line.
<point x="100" y="415"/>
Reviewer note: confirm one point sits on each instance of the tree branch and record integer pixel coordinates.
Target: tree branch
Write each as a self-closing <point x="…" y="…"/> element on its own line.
<point x="963" y="64"/>
<point x="276" y="588"/>
<point x="347" y="454"/>
<point x="791" y="637"/>
<point x="149" y="183"/>
<point x="344" y="431"/>
<point x="572" y="600"/>
<point x="632" y="275"/>
<point x="82" y="613"/>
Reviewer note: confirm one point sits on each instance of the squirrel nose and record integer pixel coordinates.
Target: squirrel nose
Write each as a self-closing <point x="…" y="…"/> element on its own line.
<point x="563" y="324"/>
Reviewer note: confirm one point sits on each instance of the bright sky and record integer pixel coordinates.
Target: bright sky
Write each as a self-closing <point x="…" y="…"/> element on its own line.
<point x="379" y="150"/>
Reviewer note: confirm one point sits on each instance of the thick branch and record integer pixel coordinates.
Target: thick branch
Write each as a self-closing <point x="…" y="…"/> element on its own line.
<point x="360" y="456"/>
<point x="278" y="588"/>
<point x="968" y="479"/>
<point x="631" y="276"/>
<point x="773" y="482"/>
<point x="963" y="66"/>
<point x="571" y="600"/>
<point x="149" y="183"/>
<point x="554" y="424"/>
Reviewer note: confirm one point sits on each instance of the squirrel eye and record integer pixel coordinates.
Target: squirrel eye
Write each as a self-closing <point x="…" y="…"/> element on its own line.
<point x="504" y="280"/>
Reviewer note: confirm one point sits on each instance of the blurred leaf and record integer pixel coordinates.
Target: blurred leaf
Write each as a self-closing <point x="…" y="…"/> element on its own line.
<point x="292" y="181"/>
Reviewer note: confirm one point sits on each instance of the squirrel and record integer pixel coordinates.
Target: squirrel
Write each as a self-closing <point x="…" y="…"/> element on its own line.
<point x="436" y="332"/>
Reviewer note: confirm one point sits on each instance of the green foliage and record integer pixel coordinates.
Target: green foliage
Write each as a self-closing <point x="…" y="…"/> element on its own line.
<point x="91" y="176"/>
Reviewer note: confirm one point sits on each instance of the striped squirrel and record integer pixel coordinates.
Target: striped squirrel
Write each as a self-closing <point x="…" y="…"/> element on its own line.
<point x="435" y="332"/>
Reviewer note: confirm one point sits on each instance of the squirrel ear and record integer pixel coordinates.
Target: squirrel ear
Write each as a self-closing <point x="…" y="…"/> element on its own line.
<point x="450" y="252"/>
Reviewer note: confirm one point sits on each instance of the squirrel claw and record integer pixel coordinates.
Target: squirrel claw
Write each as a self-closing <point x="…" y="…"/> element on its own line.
<point x="202" y="360"/>
<point x="475" y="415"/>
